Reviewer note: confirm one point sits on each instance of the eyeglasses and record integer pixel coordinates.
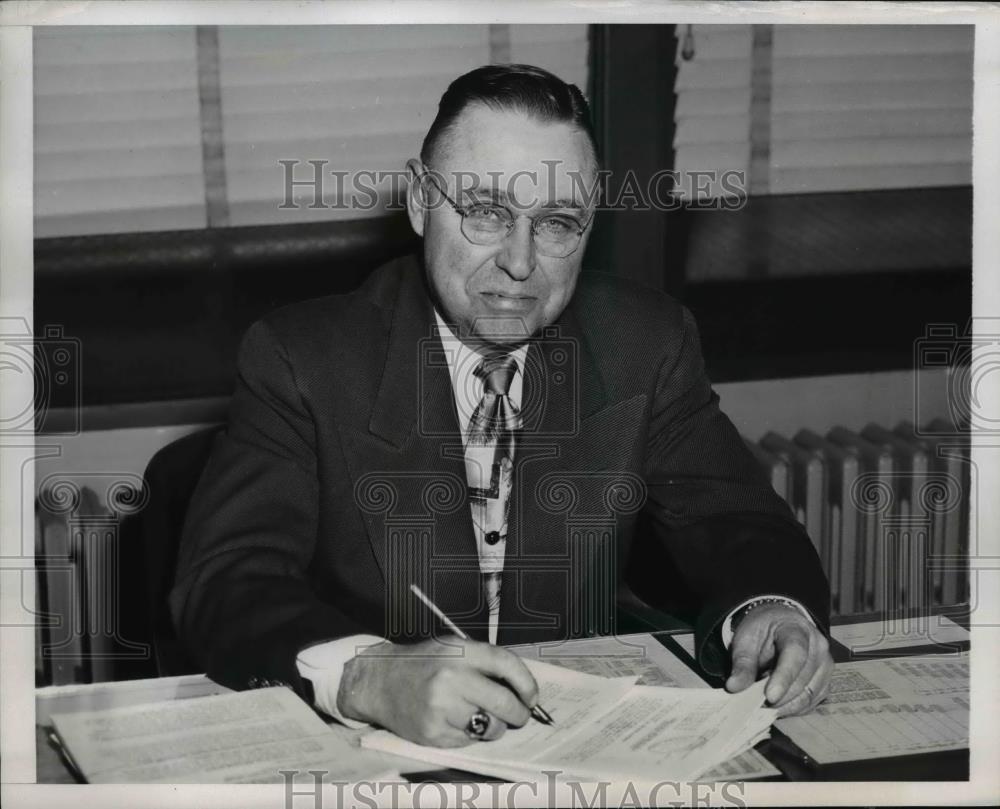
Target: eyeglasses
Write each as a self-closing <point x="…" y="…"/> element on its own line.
<point x="556" y="235"/>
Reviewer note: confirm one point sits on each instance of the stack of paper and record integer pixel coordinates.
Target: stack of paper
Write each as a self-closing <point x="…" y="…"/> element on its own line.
<point x="246" y="737"/>
<point x="609" y="729"/>
<point x="900" y="633"/>
<point x="643" y="656"/>
<point x="882" y="708"/>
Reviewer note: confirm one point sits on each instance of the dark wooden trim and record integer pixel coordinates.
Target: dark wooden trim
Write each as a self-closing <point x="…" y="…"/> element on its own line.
<point x="61" y="421"/>
<point x="158" y="316"/>
<point x="632" y="92"/>
<point x="814" y="284"/>
<point x="130" y="256"/>
<point x="826" y="324"/>
<point x="794" y="235"/>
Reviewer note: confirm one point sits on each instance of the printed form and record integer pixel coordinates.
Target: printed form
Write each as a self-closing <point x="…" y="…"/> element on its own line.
<point x="899" y="633"/>
<point x="639" y="655"/>
<point x="643" y="656"/>
<point x="245" y="737"/>
<point x="882" y="708"/>
<point x="610" y="729"/>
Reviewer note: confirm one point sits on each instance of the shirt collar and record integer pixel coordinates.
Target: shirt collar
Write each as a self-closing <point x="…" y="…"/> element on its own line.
<point x="462" y="361"/>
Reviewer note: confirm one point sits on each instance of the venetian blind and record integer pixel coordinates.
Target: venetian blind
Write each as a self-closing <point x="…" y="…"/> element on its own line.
<point x="117" y="132"/>
<point x="346" y="106"/>
<point x="143" y="129"/>
<point x="812" y="108"/>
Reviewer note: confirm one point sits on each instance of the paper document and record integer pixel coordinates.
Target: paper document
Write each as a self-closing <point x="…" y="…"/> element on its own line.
<point x="899" y="633"/>
<point x="882" y="708"/>
<point x="666" y="733"/>
<point x="244" y="737"/>
<point x="639" y="655"/>
<point x="610" y="729"/>
<point x="932" y="674"/>
<point x="572" y="699"/>
<point x="643" y="656"/>
<point x="747" y="765"/>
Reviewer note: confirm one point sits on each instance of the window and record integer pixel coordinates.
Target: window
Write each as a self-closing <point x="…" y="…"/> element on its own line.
<point x="816" y="108"/>
<point x="158" y="129"/>
<point x="359" y="97"/>
<point x="117" y="135"/>
<point x="855" y="143"/>
<point x="834" y="128"/>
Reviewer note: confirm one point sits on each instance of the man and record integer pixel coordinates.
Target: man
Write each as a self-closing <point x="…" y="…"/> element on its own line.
<point x="488" y="425"/>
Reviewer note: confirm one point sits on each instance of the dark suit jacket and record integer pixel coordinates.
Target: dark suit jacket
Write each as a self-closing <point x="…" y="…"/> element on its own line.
<point x="340" y="480"/>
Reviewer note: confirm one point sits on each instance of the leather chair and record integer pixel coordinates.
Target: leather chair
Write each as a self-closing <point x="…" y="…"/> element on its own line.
<point x="155" y="531"/>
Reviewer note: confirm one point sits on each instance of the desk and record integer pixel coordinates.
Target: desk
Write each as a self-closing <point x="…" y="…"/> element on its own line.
<point x="50" y="767"/>
<point x="785" y="755"/>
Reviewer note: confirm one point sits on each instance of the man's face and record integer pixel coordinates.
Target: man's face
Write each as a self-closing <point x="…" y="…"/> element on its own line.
<point x="503" y="292"/>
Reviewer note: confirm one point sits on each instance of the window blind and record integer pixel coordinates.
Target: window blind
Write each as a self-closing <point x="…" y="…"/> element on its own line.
<point x="356" y="99"/>
<point x="813" y="108"/>
<point x="712" y="111"/>
<point x="146" y="129"/>
<point x="560" y="49"/>
<point x="117" y="134"/>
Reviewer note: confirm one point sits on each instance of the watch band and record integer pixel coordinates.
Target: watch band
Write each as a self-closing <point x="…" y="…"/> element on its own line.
<point x="761" y="602"/>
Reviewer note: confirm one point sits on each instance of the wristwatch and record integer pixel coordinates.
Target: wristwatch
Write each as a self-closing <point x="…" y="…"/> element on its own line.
<point x="761" y="602"/>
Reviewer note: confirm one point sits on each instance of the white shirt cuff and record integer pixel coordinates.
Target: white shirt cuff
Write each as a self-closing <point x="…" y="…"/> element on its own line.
<point x="323" y="665"/>
<point x="727" y="625"/>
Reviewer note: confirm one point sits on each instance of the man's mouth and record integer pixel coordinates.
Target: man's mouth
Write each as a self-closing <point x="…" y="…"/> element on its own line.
<point x="505" y="302"/>
<point x="508" y="296"/>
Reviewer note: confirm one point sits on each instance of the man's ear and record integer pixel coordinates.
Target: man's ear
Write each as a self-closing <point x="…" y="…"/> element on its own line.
<point x="416" y="207"/>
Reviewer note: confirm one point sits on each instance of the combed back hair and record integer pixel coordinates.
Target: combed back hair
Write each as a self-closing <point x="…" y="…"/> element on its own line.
<point x="511" y="88"/>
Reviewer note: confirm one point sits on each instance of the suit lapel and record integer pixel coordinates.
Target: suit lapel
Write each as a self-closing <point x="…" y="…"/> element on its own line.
<point x="555" y="465"/>
<point x="426" y="536"/>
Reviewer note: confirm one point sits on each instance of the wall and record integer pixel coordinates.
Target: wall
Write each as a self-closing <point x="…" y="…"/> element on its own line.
<point x="99" y="457"/>
<point x="849" y="400"/>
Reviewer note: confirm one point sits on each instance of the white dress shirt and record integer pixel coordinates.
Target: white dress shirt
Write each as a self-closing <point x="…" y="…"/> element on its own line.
<point x="468" y="391"/>
<point x="323" y="664"/>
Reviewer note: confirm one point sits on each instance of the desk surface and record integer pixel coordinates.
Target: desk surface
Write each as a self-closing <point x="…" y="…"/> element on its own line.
<point x="784" y="754"/>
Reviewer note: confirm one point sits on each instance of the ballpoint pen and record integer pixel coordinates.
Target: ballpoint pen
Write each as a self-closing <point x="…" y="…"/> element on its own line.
<point x="538" y="712"/>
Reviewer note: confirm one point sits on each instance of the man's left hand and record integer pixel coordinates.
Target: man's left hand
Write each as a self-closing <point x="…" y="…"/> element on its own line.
<point x="781" y="638"/>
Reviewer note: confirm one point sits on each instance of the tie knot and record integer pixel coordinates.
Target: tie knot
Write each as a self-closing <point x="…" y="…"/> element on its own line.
<point x="497" y="373"/>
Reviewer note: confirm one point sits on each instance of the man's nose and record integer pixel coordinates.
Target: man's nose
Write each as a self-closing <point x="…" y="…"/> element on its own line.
<point x="517" y="252"/>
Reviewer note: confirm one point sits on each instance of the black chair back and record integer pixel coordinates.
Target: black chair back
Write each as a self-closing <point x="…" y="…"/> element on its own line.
<point x="171" y="476"/>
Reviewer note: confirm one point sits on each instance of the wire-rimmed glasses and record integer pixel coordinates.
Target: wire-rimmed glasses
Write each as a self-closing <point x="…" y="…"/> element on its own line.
<point x="556" y="235"/>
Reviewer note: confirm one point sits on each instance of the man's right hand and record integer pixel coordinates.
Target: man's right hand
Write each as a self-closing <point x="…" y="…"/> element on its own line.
<point x="427" y="692"/>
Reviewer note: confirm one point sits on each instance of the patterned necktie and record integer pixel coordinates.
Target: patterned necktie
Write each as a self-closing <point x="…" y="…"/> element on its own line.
<point x="489" y="456"/>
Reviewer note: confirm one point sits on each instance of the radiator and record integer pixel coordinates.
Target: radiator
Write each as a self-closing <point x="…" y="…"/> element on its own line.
<point x="78" y="633"/>
<point x="887" y="510"/>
